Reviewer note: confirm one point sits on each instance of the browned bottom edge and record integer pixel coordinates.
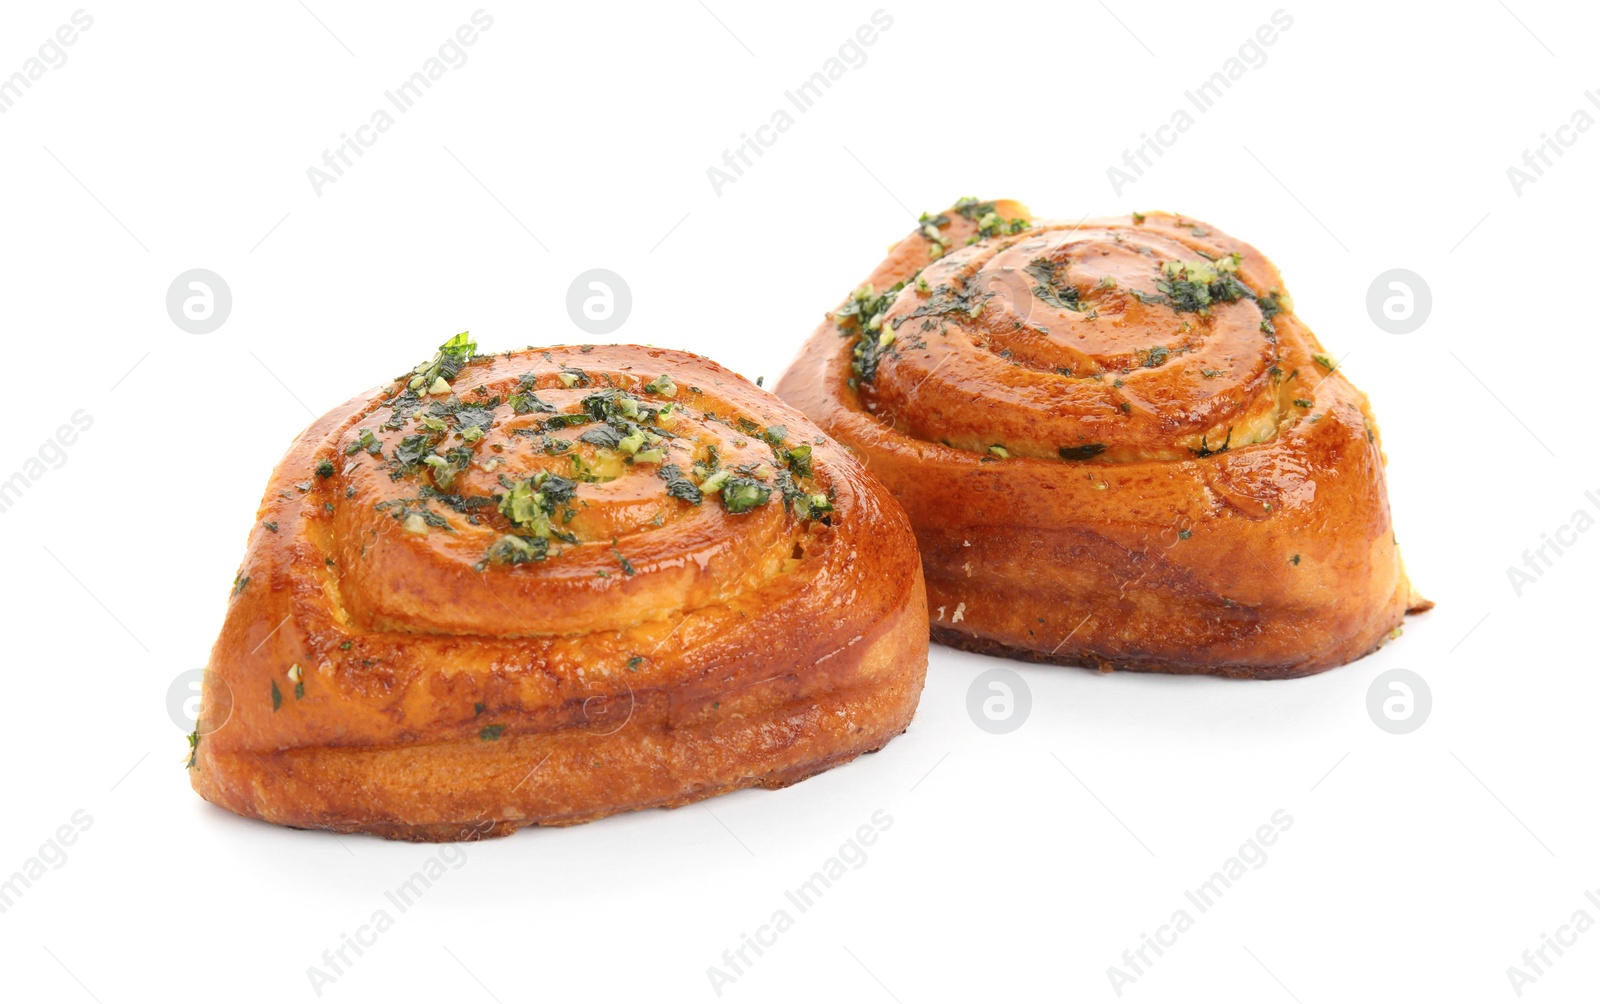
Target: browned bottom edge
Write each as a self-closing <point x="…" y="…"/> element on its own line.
<point x="951" y="638"/>
<point x="472" y="830"/>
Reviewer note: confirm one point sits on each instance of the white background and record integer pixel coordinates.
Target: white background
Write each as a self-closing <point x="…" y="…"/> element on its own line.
<point x="1017" y="867"/>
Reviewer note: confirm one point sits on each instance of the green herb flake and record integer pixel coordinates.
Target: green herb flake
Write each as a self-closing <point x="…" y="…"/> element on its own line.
<point x="627" y="566"/>
<point x="742" y="494"/>
<point x="799" y="460"/>
<point x="679" y="486"/>
<point x="1084" y="452"/>
<point x="454" y="354"/>
<point x="1207" y="451"/>
<point x="490" y="733"/>
<point x="1052" y="289"/>
<point x="514" y="550"/>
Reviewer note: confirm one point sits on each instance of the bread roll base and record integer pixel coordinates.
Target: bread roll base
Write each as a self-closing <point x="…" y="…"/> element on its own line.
<point x="435" y="793"/>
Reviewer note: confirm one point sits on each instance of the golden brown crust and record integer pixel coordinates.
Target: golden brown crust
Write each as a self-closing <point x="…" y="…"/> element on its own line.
<point x="1100" y="472"/>
<point x="677" y="650"/>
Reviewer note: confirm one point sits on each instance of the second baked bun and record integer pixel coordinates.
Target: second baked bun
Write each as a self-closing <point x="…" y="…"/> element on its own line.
<point x="549" y="585"/>
<point x="1118" y="444"/>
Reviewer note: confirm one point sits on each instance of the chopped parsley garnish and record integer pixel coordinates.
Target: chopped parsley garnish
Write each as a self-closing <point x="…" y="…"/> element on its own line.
<point x="523" y="400"/>
<point x="444" y="472"/>
<point x="489" y="733"/>
<point x="1324" y="362"/>
<point x="414" y="520"/>
<point x="474" y="416"/>
<point x="564" y="421"/>
<point x="277" y="696"/>
<point x="741" y="494"/>
<point x="410" y="451"/>
<point x="602" y="435"/>
<point x="428" y="377"/>
<point x="715" y="481"/>
<point x="798" y="459"/>
<point x="1271" y="306"/>
<point x="679" y="486"/>
<point x="516" y="550"/>
<point x="627" y="566"/>
<point x="1193" y="286"/>
<point x="365" y="441"/>
<point x="1206" y="451"/>
<point x="990" y="223"/>
<point x="629" y="425"/>
<point x="929" y="226"/>
<point x="662" y="385"/>
<point x="864" y="312"/>
<point x="526" y="401"/>
<point x="530" y="504"/>
<point x="1082" y="452"/>
<point x="270" y="525"/>
<point x="511" y="550"/>
<point x="1054" y="292"/>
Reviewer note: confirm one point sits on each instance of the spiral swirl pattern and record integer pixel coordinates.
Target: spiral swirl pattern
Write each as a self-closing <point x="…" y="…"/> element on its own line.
<point x="627" y="562"/>
<point x="1101" y="340"/>
<point x="1117" y="443"/>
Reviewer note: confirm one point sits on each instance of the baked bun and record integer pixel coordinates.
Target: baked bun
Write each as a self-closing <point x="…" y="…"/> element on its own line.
<point x="546" y="586"/>
<point x="1118" y="446"/>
